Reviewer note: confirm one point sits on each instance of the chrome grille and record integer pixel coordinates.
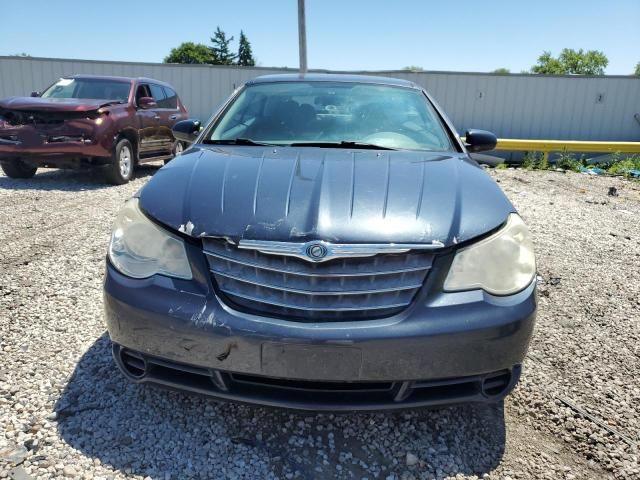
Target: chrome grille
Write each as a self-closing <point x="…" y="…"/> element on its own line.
<point x="342" y="289"/>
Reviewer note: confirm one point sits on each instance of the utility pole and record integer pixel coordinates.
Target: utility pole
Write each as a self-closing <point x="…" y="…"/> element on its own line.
<point x="302" y="37"/>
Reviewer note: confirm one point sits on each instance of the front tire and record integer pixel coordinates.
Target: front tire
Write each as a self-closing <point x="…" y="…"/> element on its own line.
<point x="178" y="148"/>
<point x="120" y="170"/>
<point x="17" y="168"/>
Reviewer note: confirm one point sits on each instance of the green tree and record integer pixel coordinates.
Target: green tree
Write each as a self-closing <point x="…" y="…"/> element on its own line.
<point x="245" y="55"/>
<point x="191" y="53"/>
<point x="502" y="70"/>
<point x="571" y="62"/>
<point x="548" y="65"/>
<point x="637" y="72"/>
<point x="222" y="48"/>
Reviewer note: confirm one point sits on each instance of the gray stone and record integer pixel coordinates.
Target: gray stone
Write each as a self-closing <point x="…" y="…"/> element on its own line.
<point x="14" y="454"/>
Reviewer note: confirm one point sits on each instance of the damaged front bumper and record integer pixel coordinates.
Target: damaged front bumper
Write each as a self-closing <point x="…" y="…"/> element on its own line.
<point x="445" y="348"/>
<point x="52" y="146"/>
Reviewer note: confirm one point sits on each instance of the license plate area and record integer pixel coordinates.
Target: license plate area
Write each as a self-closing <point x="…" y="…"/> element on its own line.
<point x="31" y="137"/>
<point x="311" y="362"/>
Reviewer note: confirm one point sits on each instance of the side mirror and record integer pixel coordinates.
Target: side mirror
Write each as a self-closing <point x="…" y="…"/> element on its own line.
<point x="146" y="103"/>
<point x="35" y="94"/>
<point x="187" y="130"/>
<point x="480" y="140"/>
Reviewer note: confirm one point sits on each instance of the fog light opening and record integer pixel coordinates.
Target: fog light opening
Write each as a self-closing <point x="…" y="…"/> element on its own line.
<point x="132" y="364"/>
<point x="496" y="384"/>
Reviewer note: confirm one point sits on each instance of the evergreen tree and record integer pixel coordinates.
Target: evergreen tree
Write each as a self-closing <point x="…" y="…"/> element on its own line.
<point x="245" y="55"/>
<point x="221" y="48"/>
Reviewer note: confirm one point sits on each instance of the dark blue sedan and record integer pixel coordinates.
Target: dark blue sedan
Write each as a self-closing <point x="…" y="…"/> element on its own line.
<point x="325" y="243"/>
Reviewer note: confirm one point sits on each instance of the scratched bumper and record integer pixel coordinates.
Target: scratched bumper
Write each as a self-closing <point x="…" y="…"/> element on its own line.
<point x="82" y="139"/>
<point x="182" y="326"/>
<point x="54" y="151"/>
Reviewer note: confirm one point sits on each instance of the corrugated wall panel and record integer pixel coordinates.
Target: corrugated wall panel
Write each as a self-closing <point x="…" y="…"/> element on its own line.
<point x="513" y="106"/>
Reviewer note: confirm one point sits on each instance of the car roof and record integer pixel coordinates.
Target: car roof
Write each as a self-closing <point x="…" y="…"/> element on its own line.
<point x="122" y="79"/>
<point x="333" y="77"/>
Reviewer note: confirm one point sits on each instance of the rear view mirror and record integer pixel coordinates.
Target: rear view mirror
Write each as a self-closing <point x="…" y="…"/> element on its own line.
<point x="480" y="140"/>
<point x="146" y="103"/>
<point x="187" y="130"/>
<point x="35" y="94"/>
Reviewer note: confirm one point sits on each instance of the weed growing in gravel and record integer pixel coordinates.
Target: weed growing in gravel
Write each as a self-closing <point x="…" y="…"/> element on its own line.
<point x="622" y="166"/>
<point x="535" y="161"/>
<point x="530" y="160"/>
<point x="568" y="161"/>
<point x="543" y="164"/>
<point x="617" y="164"/>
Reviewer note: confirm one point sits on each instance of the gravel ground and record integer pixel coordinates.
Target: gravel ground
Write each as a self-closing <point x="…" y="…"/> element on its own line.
<point x="65" y="411"/>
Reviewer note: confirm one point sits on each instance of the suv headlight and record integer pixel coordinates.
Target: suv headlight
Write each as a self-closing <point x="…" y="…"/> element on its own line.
<point x="501" y="264"/>
<point x="140" y="249"/>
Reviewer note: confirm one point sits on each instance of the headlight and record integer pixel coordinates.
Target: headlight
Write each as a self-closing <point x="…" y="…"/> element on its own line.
<point x="140" y="249"/>
<point x="501" y="264"/>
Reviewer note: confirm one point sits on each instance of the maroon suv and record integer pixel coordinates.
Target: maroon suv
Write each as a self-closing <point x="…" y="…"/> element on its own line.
<point x="85" y="120"/>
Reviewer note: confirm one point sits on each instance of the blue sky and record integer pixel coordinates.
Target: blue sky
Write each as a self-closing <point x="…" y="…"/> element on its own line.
<point x="347" y="35"/>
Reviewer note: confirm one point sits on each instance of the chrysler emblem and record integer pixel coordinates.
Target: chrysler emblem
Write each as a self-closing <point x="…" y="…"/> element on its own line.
<point x="316" y="251"/>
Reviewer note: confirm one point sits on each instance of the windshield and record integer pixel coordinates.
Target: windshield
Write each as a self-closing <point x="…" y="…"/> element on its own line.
<point x="288" y="113"/>
<point x="89" y="88"/>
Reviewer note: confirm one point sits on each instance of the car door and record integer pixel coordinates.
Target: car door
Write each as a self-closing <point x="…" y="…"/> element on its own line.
<point x="147" y="121"/>
<point x="176" y="113"/>
<point x="165" y="118"/>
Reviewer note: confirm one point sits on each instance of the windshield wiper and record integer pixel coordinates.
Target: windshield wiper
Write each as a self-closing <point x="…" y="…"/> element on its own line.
<point x="240" y="141"/>
<point x="342" y="144"/>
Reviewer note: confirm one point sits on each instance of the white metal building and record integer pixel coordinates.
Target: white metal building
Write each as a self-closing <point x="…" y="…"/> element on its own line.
<point x="512" y="106"/>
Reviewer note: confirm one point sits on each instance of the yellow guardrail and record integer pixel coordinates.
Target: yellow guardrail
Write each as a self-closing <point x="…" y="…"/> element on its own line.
<point x="547" y="146"/>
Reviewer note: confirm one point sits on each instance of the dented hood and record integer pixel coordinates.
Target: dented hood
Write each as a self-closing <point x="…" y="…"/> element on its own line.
<point x="337" y="195"/>
<point x="39" y="104"/>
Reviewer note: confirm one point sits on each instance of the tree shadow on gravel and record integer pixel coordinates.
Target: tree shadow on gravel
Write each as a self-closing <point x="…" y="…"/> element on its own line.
<point x="163" y="434"/>
<point x="69" y="180"/>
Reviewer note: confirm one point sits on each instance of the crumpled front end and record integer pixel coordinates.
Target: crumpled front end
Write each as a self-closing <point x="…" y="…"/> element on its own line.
<point x="41" y="136"/>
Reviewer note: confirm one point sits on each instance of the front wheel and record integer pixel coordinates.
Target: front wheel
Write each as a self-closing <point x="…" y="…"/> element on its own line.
<point x="120" y="170"/>
<point x="177" y="150"/>
<point x="17" y="168"/>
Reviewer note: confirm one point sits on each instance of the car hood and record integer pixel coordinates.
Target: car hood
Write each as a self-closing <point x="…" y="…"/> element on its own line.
<point x="52" y="104"/>
<point x="336" y="195"/>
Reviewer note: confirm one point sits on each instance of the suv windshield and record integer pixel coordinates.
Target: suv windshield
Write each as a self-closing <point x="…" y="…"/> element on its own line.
<point x="89" y="88"/>
<point x="324" y="113"/>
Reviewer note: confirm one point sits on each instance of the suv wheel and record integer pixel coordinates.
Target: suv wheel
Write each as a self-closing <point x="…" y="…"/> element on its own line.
<point x="120" y="170"/>
<point x="17" y="168"/>
<point x="177" y="150"/>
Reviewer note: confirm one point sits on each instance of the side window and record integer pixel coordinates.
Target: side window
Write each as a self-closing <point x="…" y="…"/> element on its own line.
<point x="172" y="99"/>
<point x="158" y="95"/>
<point x="142" y="91"/>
